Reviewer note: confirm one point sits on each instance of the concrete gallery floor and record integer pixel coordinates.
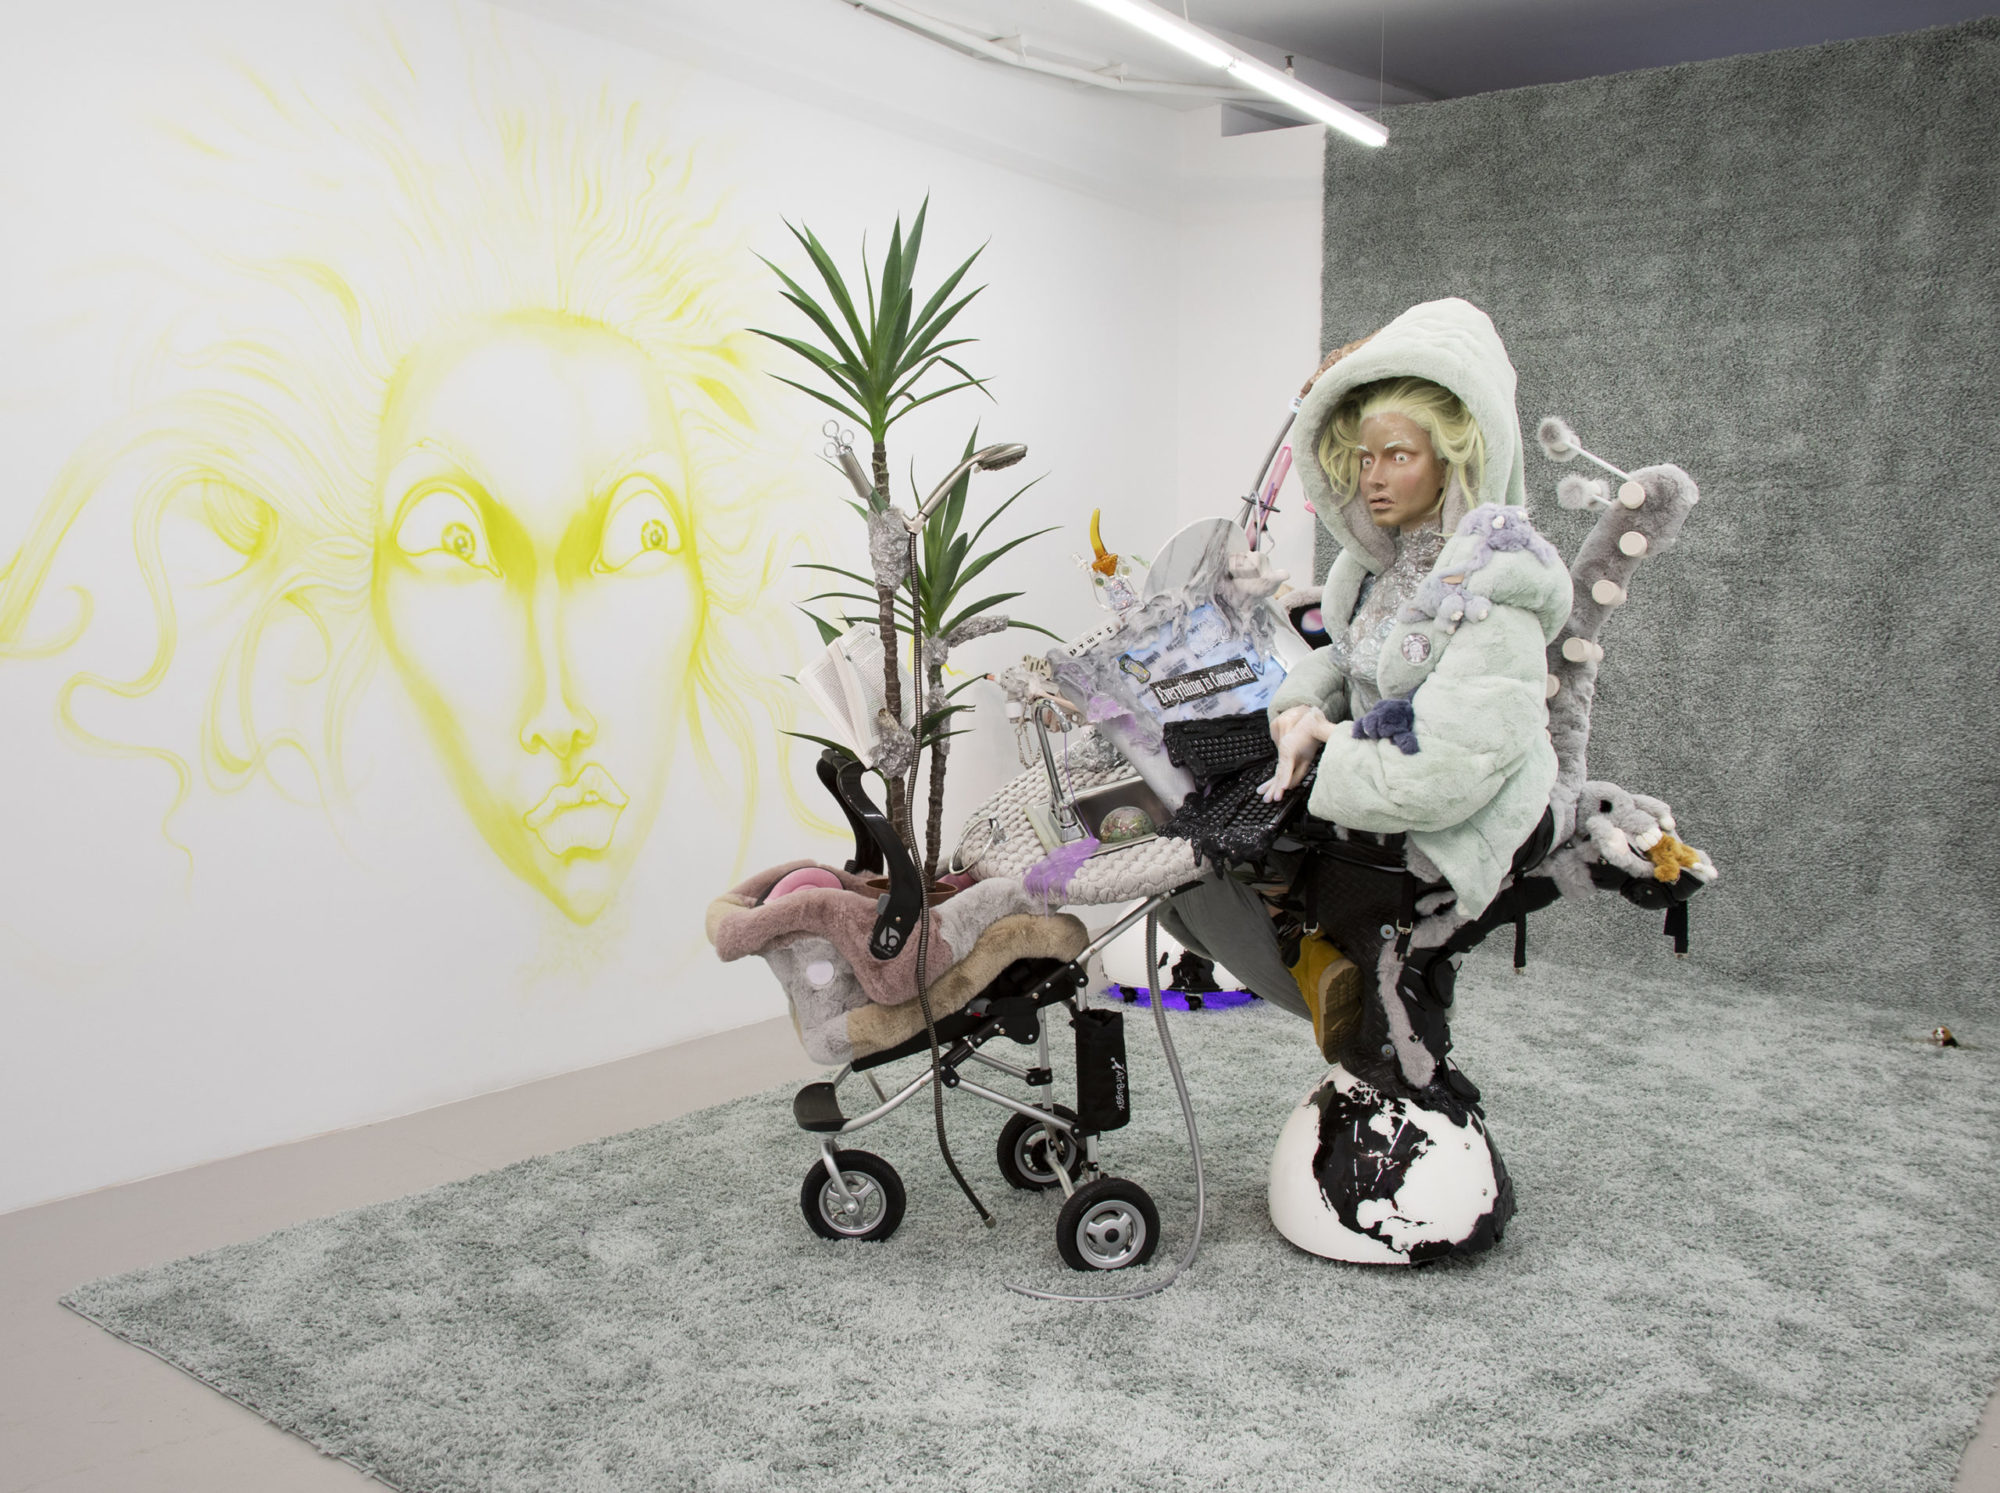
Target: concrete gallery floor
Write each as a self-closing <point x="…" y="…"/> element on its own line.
<point x="81" y="1412"/>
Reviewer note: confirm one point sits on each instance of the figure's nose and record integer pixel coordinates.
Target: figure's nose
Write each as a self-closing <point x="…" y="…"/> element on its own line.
<point x="555" y="723"/>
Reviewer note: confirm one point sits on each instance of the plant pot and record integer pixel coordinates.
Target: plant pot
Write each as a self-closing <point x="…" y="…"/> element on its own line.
<point x="939" y="891"/>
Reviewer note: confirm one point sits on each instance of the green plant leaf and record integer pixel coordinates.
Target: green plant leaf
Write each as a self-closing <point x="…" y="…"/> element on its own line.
<point x="826" y="399"/>
<point x="802" y="298"/>
<point x="846" y="752"/>
<point x="819" y="360"/>
<point x="841" y="596"/>
<point x="943" y="292"/>
<point x="979" y="606"/>
<point x="979" y="533"/>
<point x="853" y="575"/>
<point x="828" y="633"/>
<point x="1034" y="627"/>
<point x="835" y="285"/>
<point x="935" y="394"/>
<point x="993" y="554"/>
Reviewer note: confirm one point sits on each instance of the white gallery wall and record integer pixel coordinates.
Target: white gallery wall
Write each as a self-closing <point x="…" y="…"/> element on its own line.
<point x="334" y="790"/>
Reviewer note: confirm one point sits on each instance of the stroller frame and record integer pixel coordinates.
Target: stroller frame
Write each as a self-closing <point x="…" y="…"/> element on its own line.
<point x="1106" y="1222"/>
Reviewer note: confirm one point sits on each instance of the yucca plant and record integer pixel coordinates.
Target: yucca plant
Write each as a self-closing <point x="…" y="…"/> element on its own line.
<point x="934" y="609"/>
<point x="878" y="368"/>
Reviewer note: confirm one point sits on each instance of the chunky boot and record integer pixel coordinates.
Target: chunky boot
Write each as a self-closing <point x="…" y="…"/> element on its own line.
<point x="1387" y="1160"/>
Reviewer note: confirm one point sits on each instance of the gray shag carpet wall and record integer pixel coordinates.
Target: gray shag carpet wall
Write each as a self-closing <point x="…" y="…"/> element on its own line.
<point x="1781" y="272"/>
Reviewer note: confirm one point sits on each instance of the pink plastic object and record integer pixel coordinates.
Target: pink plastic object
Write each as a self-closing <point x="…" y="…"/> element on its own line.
<point x="799" y="880"/>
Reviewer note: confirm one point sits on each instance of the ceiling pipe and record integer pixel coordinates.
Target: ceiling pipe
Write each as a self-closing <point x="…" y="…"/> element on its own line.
<point x="1013" y="52"/>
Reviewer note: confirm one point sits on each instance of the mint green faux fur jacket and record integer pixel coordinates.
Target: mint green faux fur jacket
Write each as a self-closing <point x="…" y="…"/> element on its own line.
<point x="1484" y="768"/>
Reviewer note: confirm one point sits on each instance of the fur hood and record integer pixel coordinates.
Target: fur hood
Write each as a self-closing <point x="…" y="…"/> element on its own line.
<point x="1452" y="343"/>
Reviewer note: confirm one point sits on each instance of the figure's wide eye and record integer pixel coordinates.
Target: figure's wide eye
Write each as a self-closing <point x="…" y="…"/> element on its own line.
<point x="639" y="524"/>
<point x="442" y="529"/>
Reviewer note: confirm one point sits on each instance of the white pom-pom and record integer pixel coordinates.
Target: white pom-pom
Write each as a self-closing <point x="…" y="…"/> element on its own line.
<point x="1631" y="494"/>
<point x="1633" y="544"/>
<point x="1575" y="491"/>
<point x="1559" y="442"/>
<point x="1550" y="689"/>
<point x="1607" y="593"/>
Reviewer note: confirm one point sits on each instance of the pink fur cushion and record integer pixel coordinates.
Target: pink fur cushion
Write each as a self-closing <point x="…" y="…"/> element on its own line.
<point x="799" y="880"/>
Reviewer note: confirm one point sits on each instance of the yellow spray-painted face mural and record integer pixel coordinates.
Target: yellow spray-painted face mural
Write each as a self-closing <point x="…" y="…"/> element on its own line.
<point x="537" y="586"/>
<point x="478" y="403"/>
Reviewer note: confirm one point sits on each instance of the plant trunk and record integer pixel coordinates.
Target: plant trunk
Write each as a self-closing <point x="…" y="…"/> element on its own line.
<point x="892" y="682"/>
<point x="940" y="749"/>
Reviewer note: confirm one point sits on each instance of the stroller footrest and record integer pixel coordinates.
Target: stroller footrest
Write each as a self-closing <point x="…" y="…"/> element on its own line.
<point x="817" y="1107"/>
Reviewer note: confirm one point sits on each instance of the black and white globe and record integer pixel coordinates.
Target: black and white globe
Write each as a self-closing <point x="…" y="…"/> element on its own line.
<point x="1387" y="1180"/>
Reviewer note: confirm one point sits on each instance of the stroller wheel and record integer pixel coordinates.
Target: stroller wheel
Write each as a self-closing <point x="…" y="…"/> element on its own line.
<point x="1107" y="1225"/>
<point x="877" y="1194"/>
<point x="1024" y="1149"/>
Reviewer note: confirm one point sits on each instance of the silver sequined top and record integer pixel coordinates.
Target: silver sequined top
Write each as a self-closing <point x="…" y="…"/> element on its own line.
<point x="1359" y="648"/>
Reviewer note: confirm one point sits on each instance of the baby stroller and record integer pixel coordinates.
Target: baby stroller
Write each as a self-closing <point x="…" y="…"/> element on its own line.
<point x="840" y="946"/>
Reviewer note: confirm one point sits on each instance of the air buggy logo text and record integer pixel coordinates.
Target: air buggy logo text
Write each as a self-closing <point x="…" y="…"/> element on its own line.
<point x="1201" y="683"/>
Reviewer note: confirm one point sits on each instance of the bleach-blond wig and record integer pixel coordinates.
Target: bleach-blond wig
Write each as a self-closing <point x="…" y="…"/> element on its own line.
<point x="1438" y="412"/>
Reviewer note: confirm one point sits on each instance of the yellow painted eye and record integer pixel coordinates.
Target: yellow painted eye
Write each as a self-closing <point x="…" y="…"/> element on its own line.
<point x="638" y="524"/>
<point x="442" y="529"/>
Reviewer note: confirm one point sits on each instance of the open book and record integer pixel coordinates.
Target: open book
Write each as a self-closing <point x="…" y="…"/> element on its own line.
<point x="845" y="682"/>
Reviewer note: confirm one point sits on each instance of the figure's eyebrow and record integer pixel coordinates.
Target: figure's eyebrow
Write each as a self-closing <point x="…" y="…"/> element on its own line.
<point x="438" y="446"/>
<point x="1392" y="445"/>
<point x="647" y="459"/>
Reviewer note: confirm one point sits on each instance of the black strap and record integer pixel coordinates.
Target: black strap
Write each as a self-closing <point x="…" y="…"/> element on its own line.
<point x="1406" y="913"/>
<point x="1521" y="941"/>
<point x="1677" y="926"/>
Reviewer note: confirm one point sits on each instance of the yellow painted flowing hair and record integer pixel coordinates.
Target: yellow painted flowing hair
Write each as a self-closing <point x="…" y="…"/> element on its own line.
<point x="267" y="431"/>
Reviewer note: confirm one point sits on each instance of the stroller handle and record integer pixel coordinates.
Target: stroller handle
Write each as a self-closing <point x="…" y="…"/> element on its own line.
<point x="897" y="910"/>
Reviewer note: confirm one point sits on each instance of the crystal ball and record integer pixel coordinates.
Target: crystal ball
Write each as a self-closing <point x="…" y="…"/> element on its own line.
<point x="1128" y="822"/>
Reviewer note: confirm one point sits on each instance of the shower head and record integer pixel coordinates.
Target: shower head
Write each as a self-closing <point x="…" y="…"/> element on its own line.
<point x="985" y="459"/>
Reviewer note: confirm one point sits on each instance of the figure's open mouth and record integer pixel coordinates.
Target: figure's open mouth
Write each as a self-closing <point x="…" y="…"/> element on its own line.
<point x="578" y="817"/>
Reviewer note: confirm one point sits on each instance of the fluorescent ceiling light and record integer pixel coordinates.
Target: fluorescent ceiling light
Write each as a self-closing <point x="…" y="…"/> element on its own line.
<point x="1167" y="27"/>
<point x="1308" y="101"/>
<point x="1211" y="51"/>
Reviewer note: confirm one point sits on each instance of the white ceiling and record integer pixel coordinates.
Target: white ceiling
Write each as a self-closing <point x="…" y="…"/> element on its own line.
<point x="1390" y="51"/>
<point x="1448" y="48"/>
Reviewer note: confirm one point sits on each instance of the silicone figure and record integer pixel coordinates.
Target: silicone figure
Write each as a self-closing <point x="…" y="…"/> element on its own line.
<point x="1428" y="714"/>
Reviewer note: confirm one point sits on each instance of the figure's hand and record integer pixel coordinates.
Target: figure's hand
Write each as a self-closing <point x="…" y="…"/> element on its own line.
<point x="1297" y="747"/>
<point x="1287" y="719"/>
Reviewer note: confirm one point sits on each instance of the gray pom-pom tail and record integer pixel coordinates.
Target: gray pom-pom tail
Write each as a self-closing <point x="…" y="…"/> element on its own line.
<point x="1559" y="442"/>
<point x="1576" y="491"/>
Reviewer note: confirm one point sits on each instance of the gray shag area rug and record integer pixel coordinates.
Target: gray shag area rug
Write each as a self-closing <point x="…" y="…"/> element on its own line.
<point x="1758" y="1248"/>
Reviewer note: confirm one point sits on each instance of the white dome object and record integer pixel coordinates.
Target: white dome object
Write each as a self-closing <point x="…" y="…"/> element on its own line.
<point x="1372" y="1180"/>
<point x="1125" y="956"/>
<point x="1552" y="688"/>
<point x="1607" y="593"/>
<point x="1633" y="543"/>
<point x="1632" y="494"/>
